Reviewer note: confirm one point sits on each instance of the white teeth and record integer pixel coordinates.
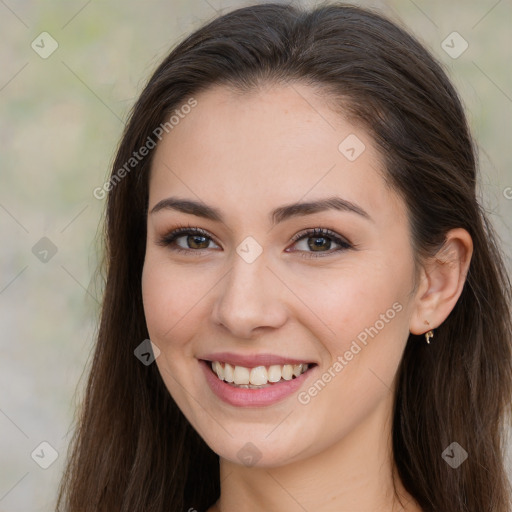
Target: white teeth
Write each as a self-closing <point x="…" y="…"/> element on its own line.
<point x="241" y="375"/>
<point x="274" y="373"/>
<point x="297" y="369"/>
<point x="259" y="376"/>
<point x="217" y="368"/>
<point x="287" y="372"/>
<point x="228" y="373"/>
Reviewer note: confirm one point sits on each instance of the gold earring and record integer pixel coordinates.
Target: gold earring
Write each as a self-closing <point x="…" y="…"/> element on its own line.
<point x="428" y="335"/>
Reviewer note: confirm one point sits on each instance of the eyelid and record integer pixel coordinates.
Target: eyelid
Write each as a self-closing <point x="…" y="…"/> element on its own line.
<point x="321" y="232"/>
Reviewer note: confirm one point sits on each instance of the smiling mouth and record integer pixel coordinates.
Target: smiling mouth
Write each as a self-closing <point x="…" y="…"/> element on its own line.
<point x="258" y="377"/>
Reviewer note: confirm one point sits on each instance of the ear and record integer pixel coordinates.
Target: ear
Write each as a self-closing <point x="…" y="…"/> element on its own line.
<point x="442" y="278"/>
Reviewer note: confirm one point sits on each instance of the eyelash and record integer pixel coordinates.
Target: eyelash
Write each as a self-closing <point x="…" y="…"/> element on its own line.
<point x="168" y="239"/>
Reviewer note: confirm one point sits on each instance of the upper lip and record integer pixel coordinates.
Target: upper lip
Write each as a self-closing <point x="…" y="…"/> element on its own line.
<point x="253" y="360"/>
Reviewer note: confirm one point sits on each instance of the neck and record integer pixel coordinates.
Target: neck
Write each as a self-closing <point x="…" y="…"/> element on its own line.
<point x="356" y="474"/>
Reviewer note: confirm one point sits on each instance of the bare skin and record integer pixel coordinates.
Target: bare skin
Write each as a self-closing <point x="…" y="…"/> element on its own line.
<point x="246" y="155"/>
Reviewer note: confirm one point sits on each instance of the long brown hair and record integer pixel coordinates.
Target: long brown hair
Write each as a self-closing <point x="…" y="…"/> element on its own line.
<point x="133" y="449"/>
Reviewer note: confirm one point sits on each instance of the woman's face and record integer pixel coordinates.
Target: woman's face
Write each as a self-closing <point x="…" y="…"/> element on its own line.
<point x="257" y="294"/>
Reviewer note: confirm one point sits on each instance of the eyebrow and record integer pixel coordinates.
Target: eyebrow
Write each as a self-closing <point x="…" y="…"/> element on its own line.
<point x="276" y="216"/>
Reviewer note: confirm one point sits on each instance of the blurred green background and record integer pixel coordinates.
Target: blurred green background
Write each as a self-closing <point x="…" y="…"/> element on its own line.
<point x="61" y="117"/>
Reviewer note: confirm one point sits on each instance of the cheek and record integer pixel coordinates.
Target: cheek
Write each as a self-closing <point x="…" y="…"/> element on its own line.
<point x="169" y="298"/>
<point x="358" y="303"/>
<point x="373" y="329"/>
<point x="173" y="296"/>
<point x="165" y="297"/>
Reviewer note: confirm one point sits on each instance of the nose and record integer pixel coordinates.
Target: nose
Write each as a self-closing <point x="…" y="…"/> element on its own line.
<point x="250" y="298"/>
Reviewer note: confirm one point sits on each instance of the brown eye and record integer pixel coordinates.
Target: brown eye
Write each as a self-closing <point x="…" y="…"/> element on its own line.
<point x="195" y="241"/>
<point x="187" y="240"/>
<point x="320" y="241"/>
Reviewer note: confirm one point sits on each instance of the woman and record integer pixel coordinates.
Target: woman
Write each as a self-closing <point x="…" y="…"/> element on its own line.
<point x="373" y="376"/>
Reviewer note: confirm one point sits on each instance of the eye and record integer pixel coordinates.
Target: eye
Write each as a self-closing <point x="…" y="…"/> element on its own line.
<point x="187" y="239"/>
<point x="319" y="241"/>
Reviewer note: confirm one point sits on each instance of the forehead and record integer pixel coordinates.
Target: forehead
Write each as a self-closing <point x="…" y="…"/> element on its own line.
<point x="280" y="144"/>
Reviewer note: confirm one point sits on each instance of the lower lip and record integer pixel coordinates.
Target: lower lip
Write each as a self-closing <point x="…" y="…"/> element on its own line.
<point x="246" y="397"/>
